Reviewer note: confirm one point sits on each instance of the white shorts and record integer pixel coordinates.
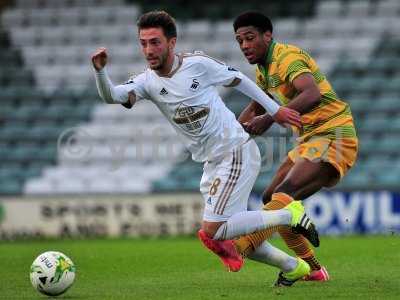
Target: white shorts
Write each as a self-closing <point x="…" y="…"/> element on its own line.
<point x="226" y="184"/>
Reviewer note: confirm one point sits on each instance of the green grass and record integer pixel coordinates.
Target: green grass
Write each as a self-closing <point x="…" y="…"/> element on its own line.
<point x="180" y="268"/>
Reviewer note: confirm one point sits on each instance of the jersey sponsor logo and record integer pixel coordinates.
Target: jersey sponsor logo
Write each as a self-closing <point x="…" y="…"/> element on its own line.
<point x="191" y="118"/>
<point x="163" y="92"/>
<point x="232" y="69"/>
<point x="195" y="85"/>
<point x="209" y="200"/>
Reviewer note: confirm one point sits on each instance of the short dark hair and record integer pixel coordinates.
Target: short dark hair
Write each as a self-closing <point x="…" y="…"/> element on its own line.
<point x="159" y="19"/>
<point x="255" y="19"/>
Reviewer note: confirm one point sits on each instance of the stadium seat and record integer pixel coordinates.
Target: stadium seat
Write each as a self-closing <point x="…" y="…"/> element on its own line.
<point x="356" y="179"/>
<point x="330" y="9"/>
<point x="358" y="8"/>
<point x="388" y="145"/>
<point x="54" y="40"/>
<point x="10" y="187"/>
<point x="374" y="123"/>
<point x="389" y="179"/>
<point x="386" y="104"/>
<point x="368" y="84"/>
<point x="388" y="8"/>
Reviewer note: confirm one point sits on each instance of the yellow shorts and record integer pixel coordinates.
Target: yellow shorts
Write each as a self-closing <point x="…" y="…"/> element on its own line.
<point x="341" y="153"/>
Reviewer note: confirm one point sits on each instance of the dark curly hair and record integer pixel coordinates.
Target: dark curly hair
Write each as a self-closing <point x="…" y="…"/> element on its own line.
<point x="158" y="19"/>
<point x="255" y="19"/>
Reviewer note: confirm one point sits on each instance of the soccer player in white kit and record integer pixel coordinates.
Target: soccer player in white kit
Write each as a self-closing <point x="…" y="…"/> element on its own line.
<point x="183" y="87"/>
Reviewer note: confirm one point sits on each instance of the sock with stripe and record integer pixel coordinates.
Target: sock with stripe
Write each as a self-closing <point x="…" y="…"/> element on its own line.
<point x="251" y="221"/>
<point x="295" y="242"/>
<point x="300" y="246"/>
<point x="312" y="262"/>
<point x="270" y="255"/>
<point x="248" y="243"/>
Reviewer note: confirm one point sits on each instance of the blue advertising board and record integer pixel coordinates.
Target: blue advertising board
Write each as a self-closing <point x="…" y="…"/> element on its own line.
<point x="337" y="213"/>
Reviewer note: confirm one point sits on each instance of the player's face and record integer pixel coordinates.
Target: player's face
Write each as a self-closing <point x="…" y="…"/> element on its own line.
<point x="156" y="47"/>
<point x="253" y="43"/>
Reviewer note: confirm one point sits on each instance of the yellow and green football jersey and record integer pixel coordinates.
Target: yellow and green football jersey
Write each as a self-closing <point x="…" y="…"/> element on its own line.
<point x="331" y="118"/>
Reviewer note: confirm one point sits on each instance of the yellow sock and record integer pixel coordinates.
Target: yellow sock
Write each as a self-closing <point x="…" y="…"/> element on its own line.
<point x="247" y="244"/>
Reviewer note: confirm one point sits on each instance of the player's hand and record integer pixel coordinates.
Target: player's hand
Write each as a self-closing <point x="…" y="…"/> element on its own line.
<point x="287" y="116"/>
<point x="99" y="59"/>
<point x="258" y="125"/>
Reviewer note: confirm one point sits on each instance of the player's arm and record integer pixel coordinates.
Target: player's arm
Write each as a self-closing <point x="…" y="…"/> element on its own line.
<point x="301" y="78"/>
<point x="254" y="119"/>
<point x="252" y="110"/>
<point x="281" y="115"/>
<point x="309" y="95"/>
<point x="218" y="73"/>
<point x="108" y="92"/>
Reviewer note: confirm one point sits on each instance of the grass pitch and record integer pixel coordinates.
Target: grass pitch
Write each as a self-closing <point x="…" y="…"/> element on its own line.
<point x="180" y="268"/>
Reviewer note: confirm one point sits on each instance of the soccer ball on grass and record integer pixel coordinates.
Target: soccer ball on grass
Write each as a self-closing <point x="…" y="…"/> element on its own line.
<point x="52" y="273"/>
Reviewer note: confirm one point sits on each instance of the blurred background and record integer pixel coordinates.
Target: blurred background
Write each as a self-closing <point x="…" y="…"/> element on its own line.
<point x="73" y="166"/>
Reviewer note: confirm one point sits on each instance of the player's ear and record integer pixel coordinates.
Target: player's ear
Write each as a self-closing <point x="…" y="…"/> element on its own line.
<point x="172" y="43"/>
<point x="267" y="36"/>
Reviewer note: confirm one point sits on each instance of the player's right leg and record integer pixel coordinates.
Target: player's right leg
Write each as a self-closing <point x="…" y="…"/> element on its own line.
<point x="291" y="268"/>
<point x="247" y="244"/>
<point x="288" y="278"/>
<point x="218" y="236"/>
<point x="219" y="182"/>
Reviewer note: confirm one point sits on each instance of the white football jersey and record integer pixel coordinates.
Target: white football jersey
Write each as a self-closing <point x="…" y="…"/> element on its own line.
<point x="189" y="99"/>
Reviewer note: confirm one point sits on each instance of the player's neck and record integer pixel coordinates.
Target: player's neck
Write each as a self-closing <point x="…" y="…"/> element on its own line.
<point x="170" y="64"/>
<point x="264" y="61"/>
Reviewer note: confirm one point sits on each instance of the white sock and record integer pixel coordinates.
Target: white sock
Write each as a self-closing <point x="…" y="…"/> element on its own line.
<point x="270" y="255"/>
<point x="251" y="221"/>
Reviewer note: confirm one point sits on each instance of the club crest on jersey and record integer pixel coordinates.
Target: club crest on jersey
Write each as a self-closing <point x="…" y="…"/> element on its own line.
<point x="195" y="84"/>
<point x="191" y="118"/>
<point x="163" y="92"/>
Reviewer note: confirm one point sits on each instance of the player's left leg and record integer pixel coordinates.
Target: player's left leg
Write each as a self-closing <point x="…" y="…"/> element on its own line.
<point x="226" y="215"/>
<point x="311" y="184"/>
<point x="319" y="163"/>
<point x="303" y="179"/>
<point x="316" y="175"/>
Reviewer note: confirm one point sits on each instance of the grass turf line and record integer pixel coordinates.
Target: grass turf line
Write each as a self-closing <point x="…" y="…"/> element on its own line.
<point x="180" y="268"/>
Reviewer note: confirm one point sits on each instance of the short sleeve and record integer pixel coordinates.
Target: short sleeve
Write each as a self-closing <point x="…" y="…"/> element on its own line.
<point x="219" y="73"/>
<point x="292" y="64"/>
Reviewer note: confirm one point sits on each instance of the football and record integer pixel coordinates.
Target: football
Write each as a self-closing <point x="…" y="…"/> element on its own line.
<point x="52" y="273"/>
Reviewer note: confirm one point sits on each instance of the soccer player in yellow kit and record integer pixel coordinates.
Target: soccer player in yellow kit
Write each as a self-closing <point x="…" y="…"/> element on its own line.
<point x="327" y="143"/>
